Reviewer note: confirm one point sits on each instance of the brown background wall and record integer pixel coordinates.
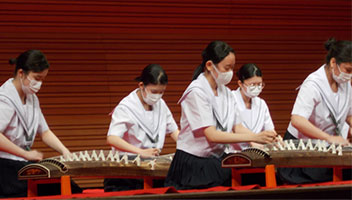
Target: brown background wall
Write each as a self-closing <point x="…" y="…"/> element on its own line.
<point x="96" y="49"/>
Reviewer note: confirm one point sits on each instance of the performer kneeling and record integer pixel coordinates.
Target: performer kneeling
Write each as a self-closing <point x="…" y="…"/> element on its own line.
<point x="253" y="111"/>
<point x="209" y="120"/>
<point x="21" y="119"/>
<point x="139" y="123"/>
<point x="323" y="109"/>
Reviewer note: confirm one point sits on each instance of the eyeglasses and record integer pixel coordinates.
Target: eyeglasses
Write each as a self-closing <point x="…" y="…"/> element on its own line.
<point x="252" y="85"/>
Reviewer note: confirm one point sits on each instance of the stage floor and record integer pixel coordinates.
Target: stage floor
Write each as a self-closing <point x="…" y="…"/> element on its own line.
<point x="329" y="190"/>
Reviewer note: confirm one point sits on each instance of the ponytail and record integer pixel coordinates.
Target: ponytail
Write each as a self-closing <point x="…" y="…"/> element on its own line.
<point x="198" y="71"/>
<point x="31" y="60"/>
<point x="340" y="50"/>
<point x="216" y="51"/>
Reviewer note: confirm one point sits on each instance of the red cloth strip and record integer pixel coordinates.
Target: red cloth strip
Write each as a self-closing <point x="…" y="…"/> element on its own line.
<point x="100" y="192"/>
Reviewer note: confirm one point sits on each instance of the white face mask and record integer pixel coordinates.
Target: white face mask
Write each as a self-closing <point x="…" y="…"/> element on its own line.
<point x="252" y="91"/>
<point x="151" y="98"/>
<point x="223" y="77"/>
<point x="33" y="87"/>
<point x="342" y="77"/>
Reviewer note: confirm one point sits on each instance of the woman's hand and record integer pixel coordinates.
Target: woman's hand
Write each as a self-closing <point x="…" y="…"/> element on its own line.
<point x="256" y="145"/>
<point x="67" y="154"/>
<point x="34" y="155"/>
<point x="337" y="140"/>
<point x="266" y="137"/>
<point x="147" y="153"/>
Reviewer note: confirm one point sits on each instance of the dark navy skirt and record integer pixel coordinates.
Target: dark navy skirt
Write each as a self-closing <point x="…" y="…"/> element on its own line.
<point x="10" y="186"/>
<point x="188" y="171"/>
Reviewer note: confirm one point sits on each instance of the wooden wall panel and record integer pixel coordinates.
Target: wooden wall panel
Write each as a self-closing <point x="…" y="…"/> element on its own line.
<point x="97" y="48"/>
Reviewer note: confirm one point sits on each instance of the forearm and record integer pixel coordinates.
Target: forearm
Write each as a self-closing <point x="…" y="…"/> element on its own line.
<point x="239" y="128"/>
<point x="256" y="145"/>
<point x="50" y="139"/>
<point x="7" y="146"/>
<point x="216" y="136"/>
<point x="174" y="135"/>
<point x="349" y="121"/>
<point x="122" y="145"/>
<point x="307" y="128"/>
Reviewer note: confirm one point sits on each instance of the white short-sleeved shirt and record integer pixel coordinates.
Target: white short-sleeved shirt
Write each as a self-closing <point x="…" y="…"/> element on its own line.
<point x="12" y="128"/>
<point x="198" y="112"/>
<point x="350" y="113"/>
<point x="257" y="118"/>
<point x="316" y="101"/>
<point x="141" y="128"/>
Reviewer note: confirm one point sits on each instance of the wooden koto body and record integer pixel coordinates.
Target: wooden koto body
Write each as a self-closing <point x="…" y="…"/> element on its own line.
<point x="292" y="153"/>
<point x="95" y="163"/>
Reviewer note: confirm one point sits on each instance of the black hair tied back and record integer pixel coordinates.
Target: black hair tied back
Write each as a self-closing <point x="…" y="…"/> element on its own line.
<point x="30" y="61"/>
<point x="153" y="74"/>
<point x="341" y="50"/>
<point x="330" y="43"/>
<point x="247" y="71"/>
<point x="216" y="51"/>
<point x="12" y="61"/>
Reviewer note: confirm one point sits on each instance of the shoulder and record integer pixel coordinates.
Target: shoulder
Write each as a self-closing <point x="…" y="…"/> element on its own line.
<point x="129" y="100"/>
<point x="6" y="106"/>
<point x="4" y="100"/>
<point x="121" y="109"/>
<point x="261" y="102"/>
<point x="309" y="87"/>
<point x="315" y="78"/>
<point x="194" y="93"/>
<point x="163" y="103"/>
<point x="197" y="93"/>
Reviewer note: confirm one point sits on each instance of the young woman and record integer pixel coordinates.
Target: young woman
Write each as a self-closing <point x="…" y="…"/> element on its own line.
<point x="252" y="109"/>
<point x="208" y="122"/>
<point x="140" y="121"/>
<point x="323" y="109"/>
<point x="21" y="119"/>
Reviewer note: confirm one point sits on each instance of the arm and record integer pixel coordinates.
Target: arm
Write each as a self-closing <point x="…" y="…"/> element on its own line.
<point x="174" y="135"/>
<point x="121" y="144"/>
<point x="349" y="122"/>
<point x="171" y="126"/>
<point x="216" y="136"/>
<point x="257" y="145"/>
<point x="6" y="145"/>
<point x="9" y="147"/>
<point x="307" y="128"/>
<point x="240" y="128"/>
<point x="307" y="99"/>
<point x="50" y="139"/>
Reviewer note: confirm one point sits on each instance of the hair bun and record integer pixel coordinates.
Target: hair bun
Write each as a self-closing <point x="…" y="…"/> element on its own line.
<point x="329" y="43"/>
<point x="12" y="61"/>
